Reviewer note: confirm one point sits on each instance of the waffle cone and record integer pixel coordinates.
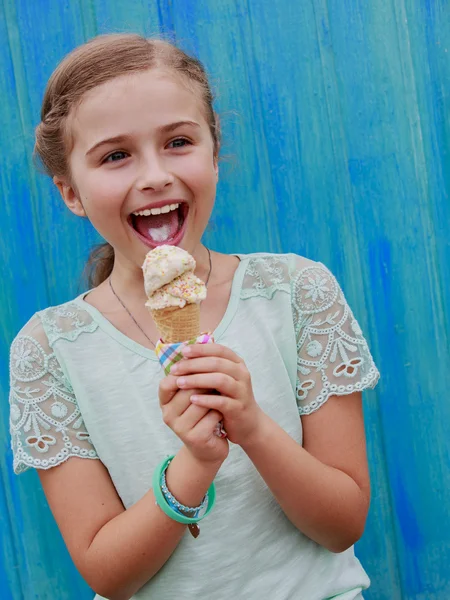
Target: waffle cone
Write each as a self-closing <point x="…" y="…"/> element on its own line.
<point x="176" y="324"/>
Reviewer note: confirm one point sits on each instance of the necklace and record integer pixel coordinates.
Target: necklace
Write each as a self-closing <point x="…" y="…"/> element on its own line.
<point x="129" y="313"/>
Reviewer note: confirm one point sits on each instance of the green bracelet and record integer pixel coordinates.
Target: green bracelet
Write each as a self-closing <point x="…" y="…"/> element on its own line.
<point x="161" y="501"/>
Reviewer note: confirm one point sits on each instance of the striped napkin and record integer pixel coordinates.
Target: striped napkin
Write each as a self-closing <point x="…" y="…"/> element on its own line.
<point x="169" y="354"/>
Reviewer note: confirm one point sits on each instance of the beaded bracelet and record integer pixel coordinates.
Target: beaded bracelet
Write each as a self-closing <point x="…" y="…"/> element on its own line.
<point x="161" y="501"/>
<point x="177" y="506"/>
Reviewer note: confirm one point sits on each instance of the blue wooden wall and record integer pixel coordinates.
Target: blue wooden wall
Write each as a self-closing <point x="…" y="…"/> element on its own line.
<point x="336" y="124"/>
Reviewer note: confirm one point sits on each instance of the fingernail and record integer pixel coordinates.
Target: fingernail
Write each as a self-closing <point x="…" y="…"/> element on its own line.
<point x="194" y="398"/>
<point x="187" y="351"/>
<point x="175" y="369"/>
<point x="181" y="381"/>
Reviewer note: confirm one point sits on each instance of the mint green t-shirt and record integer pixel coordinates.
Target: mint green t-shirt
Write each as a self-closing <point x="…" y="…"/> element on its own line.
<point x="80" y="387"/>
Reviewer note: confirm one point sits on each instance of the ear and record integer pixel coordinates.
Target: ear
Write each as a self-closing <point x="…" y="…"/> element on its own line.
<point x="70" y="196"/>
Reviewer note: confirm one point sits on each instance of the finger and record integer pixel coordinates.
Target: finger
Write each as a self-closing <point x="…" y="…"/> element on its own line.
<point x="224" y="384"/>
<point x="199" y="350"/>
<point x="178" y="405"/>
<point x="189" y="419"/>
<point x="206" y="426"/>
<point x="207" y="364"/>
<point x="167" y="388"/>
<point x="221" y="404"/>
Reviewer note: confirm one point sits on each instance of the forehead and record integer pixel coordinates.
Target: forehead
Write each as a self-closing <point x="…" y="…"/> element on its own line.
<point x="124" y="104"/>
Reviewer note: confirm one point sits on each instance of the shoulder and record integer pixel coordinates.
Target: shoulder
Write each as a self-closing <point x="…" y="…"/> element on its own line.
<point x="45" y="327"/>
<point x="265" y="273"/>
<point x="66" y="321"/>
<point x="314" y="288"/>
<point x="295" y="262"/>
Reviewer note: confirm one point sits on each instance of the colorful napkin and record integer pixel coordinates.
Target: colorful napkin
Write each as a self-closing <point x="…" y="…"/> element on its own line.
<point x="169" y="354"/>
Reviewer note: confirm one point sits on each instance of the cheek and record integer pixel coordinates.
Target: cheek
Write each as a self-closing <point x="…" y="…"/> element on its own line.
<point x="200" y="175"/>
<point x="102" y="189"/>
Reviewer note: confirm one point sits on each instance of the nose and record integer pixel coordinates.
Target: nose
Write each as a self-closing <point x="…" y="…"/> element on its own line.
<point x="154" y="175"/>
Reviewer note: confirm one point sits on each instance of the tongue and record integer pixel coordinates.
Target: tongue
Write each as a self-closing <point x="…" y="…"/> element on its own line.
<point x="158" y="228"/>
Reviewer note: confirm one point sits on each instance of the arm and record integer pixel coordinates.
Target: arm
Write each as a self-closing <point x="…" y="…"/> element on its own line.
<point x="116" y="550"/>
<point x="323" y="487"/>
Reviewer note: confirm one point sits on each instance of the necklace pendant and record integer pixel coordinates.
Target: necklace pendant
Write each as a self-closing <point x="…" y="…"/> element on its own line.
<point x="194" y="530"/>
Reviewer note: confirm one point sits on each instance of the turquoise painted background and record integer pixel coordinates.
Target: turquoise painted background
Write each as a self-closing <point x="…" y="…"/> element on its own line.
<point x="336" y="145"/>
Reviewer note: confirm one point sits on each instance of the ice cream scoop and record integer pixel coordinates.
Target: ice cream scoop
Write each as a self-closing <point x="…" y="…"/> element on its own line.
<point x="163" y="264"/>
<point x="174" y="293"/>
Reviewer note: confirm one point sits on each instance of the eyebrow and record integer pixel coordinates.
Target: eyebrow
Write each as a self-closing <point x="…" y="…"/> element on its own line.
<point x="120" y="138"/>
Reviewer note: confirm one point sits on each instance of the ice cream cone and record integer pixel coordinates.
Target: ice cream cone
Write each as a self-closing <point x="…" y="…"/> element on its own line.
<point x="176" y="324"/>
<point x="174" y="295"/>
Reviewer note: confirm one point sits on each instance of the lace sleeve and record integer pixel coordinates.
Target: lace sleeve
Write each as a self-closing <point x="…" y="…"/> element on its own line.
<point x="333" y="356"/>
<point x="45" y="422"/>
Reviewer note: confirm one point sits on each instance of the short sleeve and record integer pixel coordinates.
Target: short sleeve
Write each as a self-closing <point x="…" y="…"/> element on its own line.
<point x="46" y="425"/>
<point x="333" y="357"/>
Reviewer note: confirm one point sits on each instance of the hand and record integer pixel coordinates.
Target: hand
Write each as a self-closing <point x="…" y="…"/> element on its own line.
<point x="212" y="366"/>
<point x="194" y="425"/>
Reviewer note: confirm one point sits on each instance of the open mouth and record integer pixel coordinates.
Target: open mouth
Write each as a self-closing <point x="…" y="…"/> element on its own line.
<point x="160" y="225"/>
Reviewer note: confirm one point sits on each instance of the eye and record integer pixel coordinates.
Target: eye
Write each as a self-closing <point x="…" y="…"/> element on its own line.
<point x="179" y="143"/>
<point x="115" y="156"/>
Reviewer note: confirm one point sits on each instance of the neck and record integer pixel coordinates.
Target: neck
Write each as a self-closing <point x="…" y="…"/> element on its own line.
<point x="128" y="279"/>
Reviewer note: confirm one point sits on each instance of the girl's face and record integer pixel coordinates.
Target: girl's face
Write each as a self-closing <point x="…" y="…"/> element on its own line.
<point x="143" y="165"/>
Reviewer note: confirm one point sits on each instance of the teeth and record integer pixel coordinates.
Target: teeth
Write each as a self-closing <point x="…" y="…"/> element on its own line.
<point x="156" y="211"/>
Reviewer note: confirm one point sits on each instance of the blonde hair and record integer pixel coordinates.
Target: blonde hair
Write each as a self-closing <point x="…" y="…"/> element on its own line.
<point x="99" y="60"/>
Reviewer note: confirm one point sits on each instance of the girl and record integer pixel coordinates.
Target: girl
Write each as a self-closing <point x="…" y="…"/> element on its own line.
<point x="130" y="137"/>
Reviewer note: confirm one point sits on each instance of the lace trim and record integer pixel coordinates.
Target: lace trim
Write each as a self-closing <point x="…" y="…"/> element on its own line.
<point x="23" y="462"/>
<point x="368" y="382"/>
<point x="266" y="275"/>
<point x="44" y="415"/>
<point x="67" y="322"/>
<point x="330" y="342"/>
